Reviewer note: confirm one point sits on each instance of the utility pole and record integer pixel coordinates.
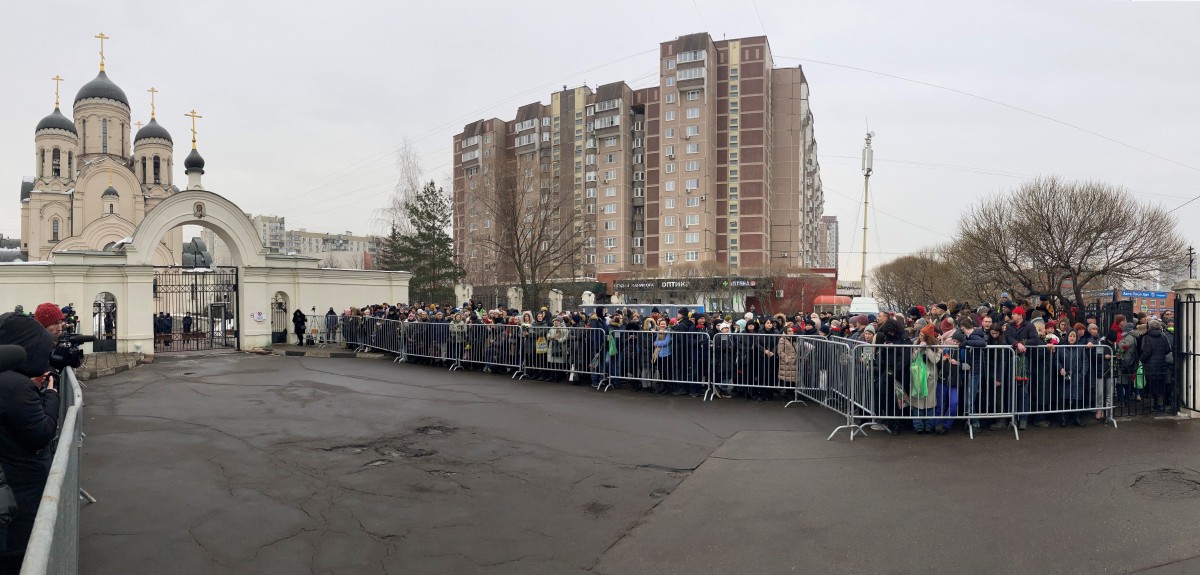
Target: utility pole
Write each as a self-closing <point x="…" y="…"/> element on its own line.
<point x="868" y="158"/>
<point x="1191" y="263"/>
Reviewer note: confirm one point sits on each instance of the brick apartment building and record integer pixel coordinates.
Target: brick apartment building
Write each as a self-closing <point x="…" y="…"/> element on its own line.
<point x="711" y="172"/>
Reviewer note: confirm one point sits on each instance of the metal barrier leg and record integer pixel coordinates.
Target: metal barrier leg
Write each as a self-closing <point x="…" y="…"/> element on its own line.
<point x="85" y="496"/>
<point x="795" y="399"/>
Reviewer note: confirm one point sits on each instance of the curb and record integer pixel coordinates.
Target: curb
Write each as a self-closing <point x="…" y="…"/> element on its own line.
<point x="98" y="373"/>
<point x="330" y="354"/>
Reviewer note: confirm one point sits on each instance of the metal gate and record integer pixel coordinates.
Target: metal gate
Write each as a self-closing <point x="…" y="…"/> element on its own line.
<point x="104" y="323"/>
<point x="1184" y="343"/>
<point x="195" y="309"/>
<point x="279" y="320"/>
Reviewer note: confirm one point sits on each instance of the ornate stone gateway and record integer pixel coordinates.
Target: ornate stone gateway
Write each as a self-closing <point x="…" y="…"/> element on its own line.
<point x="195" y="309"/>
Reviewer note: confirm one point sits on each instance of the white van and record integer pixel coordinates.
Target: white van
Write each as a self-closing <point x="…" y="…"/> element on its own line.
<point x="864" y="305"/>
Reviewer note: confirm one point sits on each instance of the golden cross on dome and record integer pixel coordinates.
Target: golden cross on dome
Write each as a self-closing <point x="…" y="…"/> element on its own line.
<point x="56" y="79"/>
<point x="102" y="38"/>
<point x="152" y="93"/>
<point x="139" y="123"/>
<point x="193" y="115"/>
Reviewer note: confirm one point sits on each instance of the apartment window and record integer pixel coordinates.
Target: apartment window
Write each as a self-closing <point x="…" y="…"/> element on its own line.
<point x="608" y="121"/>
<point x="669" y="239"/>
<point x="610" y="158"/>
<point x="589" y="243"/>
<point x="473" y="185"/>
<point x="693" y="131"/>
<point x="590" y="176"/>
<point x="692" y="184"/>
<point x="591" y="192"/>
<point x="733" y="244"/>
<point x="693" y="148"/>
<point x="692" y="166"/>
<point x="690" y="56"/>
<point x="692" y="220"/>
<point x="733" y="226"/>
<point x="545" y="136"/>
<point x="637" y="242"/>
<point x="669" y="133"/>
<point x="671" y="97"/>
<point x="670" y="63"/>
<point x="591" y="208"/>
<point x="693" y="95"/>
<point x="487" y="138"/>
<point x="639" y="176"/>
<point x="610" y="242"/>
<point x="590" y="160"/>
<point x="610" y="208"/>
<point x="733" y="140"/>
<point x="610" y="191"/>
<point x="638" y="259"/>
<point x="693" y="113"/>
<point x="591" y="258"/>
<point x="638" y="159"/>
<point x="733" y="106"/>
<point x="669" y="167"/>
<point x="691" y="238"/>
<point x="733" y="158"/>
<point x="637" y="142"/>
<point x="733" y="90"/>
<point x="693" y="202"/>
<point x="691" y="256"/>
<point x="733" y="192"/>
<point x="608" y="105"/>
<point x="546" y="122"/>
<point x="733" y="211"/>
<point x="669" y="203"/>
<point x="639" y="192"/>
<point x="610" y="258"/>
<point x="733" y="123"/>
<point x="610" y="142"/>
<point x="472" y="227"/>
<point x="610" y="225"/>
<point x="487" y="224"/>
<point x="690" y="73"/>
<point x="610" y="175"/>
<point x="733" y="174"/>
<point x="669" y="222"/>
<point x="669" y="150"/>
<point x="670" y="80"/>
<point x="733" y="261"/>
<point x="670" y="257"/>
<point x="525" y="140"/>
<point x="591" y="110"/>
<point x="670" y="115"/>
<point x="733" y="73"/>
<point x="669" y="186"/>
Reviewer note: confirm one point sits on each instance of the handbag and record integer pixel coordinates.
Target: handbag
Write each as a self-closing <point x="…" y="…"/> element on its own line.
<point x="541" y="346"/>
<point x="920" y="376"/>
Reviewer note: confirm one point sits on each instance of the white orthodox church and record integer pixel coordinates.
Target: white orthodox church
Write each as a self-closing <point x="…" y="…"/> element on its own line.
<point x="94" y="183"/>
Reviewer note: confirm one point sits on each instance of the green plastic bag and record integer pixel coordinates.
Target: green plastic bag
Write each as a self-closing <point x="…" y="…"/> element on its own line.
<point x="1139" y="380"/>
<point x="919" y="387"/>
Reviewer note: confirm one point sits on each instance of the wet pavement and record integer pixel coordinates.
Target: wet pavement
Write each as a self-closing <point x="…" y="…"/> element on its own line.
<point x="265" y="464"/>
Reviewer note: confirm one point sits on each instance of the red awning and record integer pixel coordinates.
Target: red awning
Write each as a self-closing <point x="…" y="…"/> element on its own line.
<point x="832" y="300"/>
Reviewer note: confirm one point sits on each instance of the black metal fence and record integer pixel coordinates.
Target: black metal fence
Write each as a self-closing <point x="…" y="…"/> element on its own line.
<point x="195" y="309"/>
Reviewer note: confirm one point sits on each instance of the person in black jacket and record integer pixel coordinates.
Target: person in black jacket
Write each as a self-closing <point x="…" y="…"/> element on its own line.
<point x="1154" y="351"/>
<point x="28" y="423"/>
<point x="1021" y="335"/>
<point x="298" y="322"/>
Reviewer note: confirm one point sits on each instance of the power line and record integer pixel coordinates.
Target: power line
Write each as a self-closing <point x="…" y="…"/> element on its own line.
<point x="999" y="103"/>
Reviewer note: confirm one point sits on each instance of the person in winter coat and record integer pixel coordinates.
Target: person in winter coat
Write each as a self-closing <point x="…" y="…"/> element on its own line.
<point x="974" y="365"/>
<point x="725" y="355"/>
<point x="923" y="398"/>
<point x="1100" y="379"/>
<point x="1154" y="351"/>
<point x="1021" y="335"/>
<point x="786" y="354"/>
<point x="29" y="405"/>
<point x="298" y="322"/>
<point x="1127" y="363"/>
<point x="331" y="322"/>
<point x="1074" y="370"/>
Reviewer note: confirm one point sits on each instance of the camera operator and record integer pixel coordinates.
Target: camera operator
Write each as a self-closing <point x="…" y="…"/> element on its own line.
<point x="29" y="406"/>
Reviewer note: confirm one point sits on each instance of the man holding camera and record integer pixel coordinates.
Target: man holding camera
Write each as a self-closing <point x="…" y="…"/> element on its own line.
<point x="29" y="406"/>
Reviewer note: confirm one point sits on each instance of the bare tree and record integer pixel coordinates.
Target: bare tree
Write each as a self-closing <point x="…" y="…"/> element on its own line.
<point x="408" y="185"/>
<point x="927" y="276"/>
<point x="529" y="226"/>
<point x="1056" y="237"/>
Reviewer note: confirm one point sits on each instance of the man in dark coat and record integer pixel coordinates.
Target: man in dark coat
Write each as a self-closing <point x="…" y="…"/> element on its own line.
<point x="28" y="423"/>
<point x="1021" y="335"/>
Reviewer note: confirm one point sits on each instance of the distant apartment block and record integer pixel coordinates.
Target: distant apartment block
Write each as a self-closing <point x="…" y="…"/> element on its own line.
<point x="713" y="169"/>
<point x="827" y="242"/>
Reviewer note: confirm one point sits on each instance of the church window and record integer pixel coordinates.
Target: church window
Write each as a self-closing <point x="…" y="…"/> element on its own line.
<point x="110" y="208"/>
<point x="104" y="136"/>
<point x="56" y="165"/>
<point x="157" y="178"/>
<point x="42" y="164"/>
<point x="70" y="164"/>
<point x="122" y="139"/>
<point x="83" y="124"/>
<point x="54" y="231"/>
<point x="143" y="169"/>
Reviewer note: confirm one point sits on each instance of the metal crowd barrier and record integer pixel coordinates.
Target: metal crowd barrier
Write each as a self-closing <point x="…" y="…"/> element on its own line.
<point x="491" y="348"/>
<point x="54" y="544"/>
<point x="760" y="363"/>
<point x="1069" y="381"/>
<point x="662" y="361"/>
<point x="583" y="353"/>
<point x="421" y="341"/>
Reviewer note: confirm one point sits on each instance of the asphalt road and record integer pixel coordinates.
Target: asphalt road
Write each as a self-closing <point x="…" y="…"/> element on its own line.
<point x="259" y="464"/>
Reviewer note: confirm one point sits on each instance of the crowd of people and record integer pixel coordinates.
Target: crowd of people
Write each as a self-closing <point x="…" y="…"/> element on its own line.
<point x="29" y="417"/>
<point x="920" y="366"/>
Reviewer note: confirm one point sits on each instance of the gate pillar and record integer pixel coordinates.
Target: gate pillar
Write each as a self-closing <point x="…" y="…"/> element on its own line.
<point x="255" y="300"/>
<point x="135" y="319"/>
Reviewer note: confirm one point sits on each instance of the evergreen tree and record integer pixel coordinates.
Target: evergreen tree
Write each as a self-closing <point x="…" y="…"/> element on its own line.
<point x="389" y="248"/>
<point x="427" y="250"/>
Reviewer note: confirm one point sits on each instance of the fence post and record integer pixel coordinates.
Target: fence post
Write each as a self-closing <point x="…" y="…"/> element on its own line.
<point x="1187" y="357"/>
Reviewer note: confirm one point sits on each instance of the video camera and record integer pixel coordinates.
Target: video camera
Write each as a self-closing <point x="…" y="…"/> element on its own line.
<point x="66" y="352"/>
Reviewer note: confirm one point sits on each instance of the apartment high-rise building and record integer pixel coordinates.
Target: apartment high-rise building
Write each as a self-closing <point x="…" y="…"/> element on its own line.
<point x="271" y="230"/>
<point x="712" y="171"/>
<point x="827" y="242"/>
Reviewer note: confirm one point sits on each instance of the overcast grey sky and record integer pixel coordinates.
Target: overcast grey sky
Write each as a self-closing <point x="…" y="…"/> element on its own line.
<point x="304" y="102"/>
